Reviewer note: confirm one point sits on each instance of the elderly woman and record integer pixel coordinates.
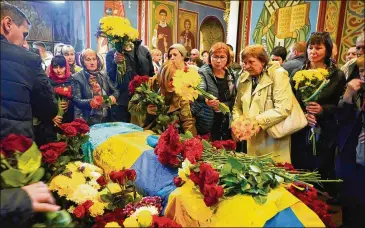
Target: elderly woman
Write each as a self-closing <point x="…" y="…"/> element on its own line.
<point x="218" y="81"/>
<point x="320" y="114"/>
<point x="259" y="79"/>
<point x="177" y="106"/>
<point x="69" y="53"/>
<point x="88" y="85"/>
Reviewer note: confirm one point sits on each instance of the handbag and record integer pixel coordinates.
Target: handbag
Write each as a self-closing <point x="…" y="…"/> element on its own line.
<point x="291" y="124"/>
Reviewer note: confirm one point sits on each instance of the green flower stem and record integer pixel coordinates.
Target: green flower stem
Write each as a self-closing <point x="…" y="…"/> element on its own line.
<point x="222" y="107"/>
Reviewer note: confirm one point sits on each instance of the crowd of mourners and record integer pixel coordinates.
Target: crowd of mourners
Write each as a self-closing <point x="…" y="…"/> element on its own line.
<point x="31" y="75"/>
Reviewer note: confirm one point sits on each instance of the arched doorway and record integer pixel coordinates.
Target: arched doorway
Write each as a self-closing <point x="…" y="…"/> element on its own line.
<point x="211" y="31"/>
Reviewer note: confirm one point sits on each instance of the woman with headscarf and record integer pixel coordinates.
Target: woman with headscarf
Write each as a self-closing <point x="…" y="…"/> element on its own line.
<point x="59" y="76"/>
<point x="69" y="53"/>
<point x="88" y="85"/>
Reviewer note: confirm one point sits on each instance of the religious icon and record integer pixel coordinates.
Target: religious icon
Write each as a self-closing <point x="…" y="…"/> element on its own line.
<point x="163" y="19"/>
<point x="187" y="29"/>
<point x="282" y="23"/>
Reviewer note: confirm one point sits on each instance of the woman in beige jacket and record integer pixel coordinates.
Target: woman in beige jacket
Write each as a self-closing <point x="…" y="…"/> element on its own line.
<point x="253" y="100"/>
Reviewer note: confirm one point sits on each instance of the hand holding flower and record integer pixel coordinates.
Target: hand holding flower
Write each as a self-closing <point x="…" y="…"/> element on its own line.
<point x="213" y="103"/>
<point x="57" y="120"/>
<point x="314" y="108"/>
<point x="118" y="58"/>
<point x="64" y="105"/>
<point x="312" y="121"/>
<point x="113" y="99"/>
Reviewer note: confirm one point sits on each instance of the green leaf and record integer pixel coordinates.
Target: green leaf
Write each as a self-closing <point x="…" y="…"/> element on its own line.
<point x="260" y="199"/>
<point x="235" y="163"/>
<point x="279" y="179"/>
<point x="35" y="176"/>
<point x="30" y="160"/>
<point x="226" y="169"/>
<point x="230" y="180"/>
<point x="13" y="177"/>
<point x="245" y="188"/>
<point x="255" y="168"/>
<point x="58" y="218"/>
<point x="206" y="144"/>
<point x="110" y="206"/>
<point x="106" y="198"/>
<point x="186" y="136"/>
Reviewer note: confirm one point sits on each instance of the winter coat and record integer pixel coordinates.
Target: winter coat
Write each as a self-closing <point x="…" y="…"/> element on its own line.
<point x="16" y="208"/>
<point x="293" y="64"/>
<point x="82" y="94"/>
<point x="255" y="104"/>
<point x="25" y="91"/>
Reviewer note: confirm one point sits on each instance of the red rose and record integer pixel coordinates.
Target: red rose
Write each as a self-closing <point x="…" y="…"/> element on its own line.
<point x="79" y="212"/>
<point x="80" y="120"/>
<point x="84" y="128"/>
<point x="87" y="204"/>
<point x="210" y="201"/>
<point x="194" y="177"/>
<point x="178" y="181"/>
<point x="118" y="177"/>
<point x="96" y="88"/>
<point x="14" y="143"/>
<point x="208" y="174"/>
<point x="96" y="102"/>
<point x="101" y="181"/>
<point x="131" y="174"/>
<point x="59" y="147"/>
<point x="214" y="191"/>
<point x="50" y="156"/>
<point x="69" y="130"/>
<point x="109" y="217"/>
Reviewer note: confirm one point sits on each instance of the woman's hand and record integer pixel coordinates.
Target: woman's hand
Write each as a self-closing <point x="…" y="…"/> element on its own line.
<point x="64" y="105"/>
<point x="57" y="120"/>
<point x="312" y="121"/>
<point x="112" y="99"/>
<point x="362" y="138"/>
<point x="152" y="109"/>
<point x="213" y="103"/>
<point x="118" y="58"/>
<point x="314" y="108"/>
<point x="41" y="197"/>
<point x="352" y="88"/>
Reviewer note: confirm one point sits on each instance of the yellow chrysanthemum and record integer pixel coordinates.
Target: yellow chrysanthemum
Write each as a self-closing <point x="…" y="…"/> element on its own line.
<point x="131" y="222"/>
<point x="83" y="193"/>
<point x="97" y="208"/>
<point x="144" y="218"/>
<point x="185" y="84"/>
<point x="114" y="187"/>
<point x="118" y="27"/>
<point x="71" y="167"/>
<point x="112" y="224"/>
<point x="71" y="209"/>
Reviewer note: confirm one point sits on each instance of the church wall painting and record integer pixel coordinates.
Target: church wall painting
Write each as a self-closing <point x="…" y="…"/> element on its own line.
<point x="282" y="23"/>
<point x="187" y="29"/>
<point x="163" y="17"/>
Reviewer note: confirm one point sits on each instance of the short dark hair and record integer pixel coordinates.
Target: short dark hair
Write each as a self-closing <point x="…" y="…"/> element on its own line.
<point x="39" y="43"/>
<point x="205" y="52"/>
<point x="279" y="51"/>
<point x="187" y="20"/>
<point x="163" y="11"/>
<point x="198" y="62"/>
<point x="14" y="12"/>
<point x="58" y="60"/>
<point x="230" y="47"/>
<point x="321" y="38"/>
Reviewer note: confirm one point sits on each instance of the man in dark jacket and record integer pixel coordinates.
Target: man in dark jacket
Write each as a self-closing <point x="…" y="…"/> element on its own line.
<point x="25" y="90"/>
<point x="139" y="62"/>
<point x="25" y="93"/>
<point x="295" y="58"/>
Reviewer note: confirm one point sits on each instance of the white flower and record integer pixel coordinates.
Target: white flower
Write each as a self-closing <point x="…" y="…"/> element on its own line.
<point x="184" y="171"/>
<point x="83" y="193"/>
<point x="152" y="209"/>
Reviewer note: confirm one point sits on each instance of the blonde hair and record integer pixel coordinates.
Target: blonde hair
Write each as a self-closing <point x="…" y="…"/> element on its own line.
<point x="67" y="49"/>
<point x="300" y="46"/>
<point x="167" y="72"/>
<point x="256" y="51"/>
<point x="156" y="52"/>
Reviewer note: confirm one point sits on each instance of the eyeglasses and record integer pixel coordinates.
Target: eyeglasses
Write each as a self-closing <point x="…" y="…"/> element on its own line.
<point x="221" y="58"/>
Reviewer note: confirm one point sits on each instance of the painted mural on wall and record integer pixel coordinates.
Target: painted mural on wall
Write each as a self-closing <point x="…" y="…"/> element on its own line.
<point x="217" y="3"/>
<point x="163" y="17"/>
<point x="39" y="16"/>
<point x="211" y="31"/>
<point x="332" y="18"/>
<point x="187" y="29"/>
<point x="114" y="8"/>
<point x="62" y="25"/>
<point x="352" y="27"/>
<point x="282" y="23"/>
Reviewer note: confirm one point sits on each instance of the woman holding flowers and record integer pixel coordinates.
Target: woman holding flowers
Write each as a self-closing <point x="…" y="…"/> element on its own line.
<point x="217" y="81"/>
<point x="320" y="114"/>
<point x="60" y="78"/>
<point x="93" y="92"/>
<point x="176" y="105"/>
<point x="260" y="78"/>
<point x="69" y="53"/>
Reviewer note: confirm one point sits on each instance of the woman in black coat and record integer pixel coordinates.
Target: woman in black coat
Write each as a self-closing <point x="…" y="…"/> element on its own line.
<point x="320" y="114"/>
<point x="89" y="84"/>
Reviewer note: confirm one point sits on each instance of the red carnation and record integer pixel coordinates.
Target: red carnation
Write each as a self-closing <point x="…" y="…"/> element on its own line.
<point x="136" y="82"/>
<point x="131" y="174"/>
<point x="87" y="204"/>
<point x="118" y="177"/>
<point x="208" y="174"/>
<point x="96" y="102"/>
<point x="79" y="212"/>
<point x="14" y="143"/>
<point x="178" y="181"/>
<point x="101" y="181"/>
<point x="163" y="222"/>
<point x="193" y="149"/>
<point x="194" y="177"/>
